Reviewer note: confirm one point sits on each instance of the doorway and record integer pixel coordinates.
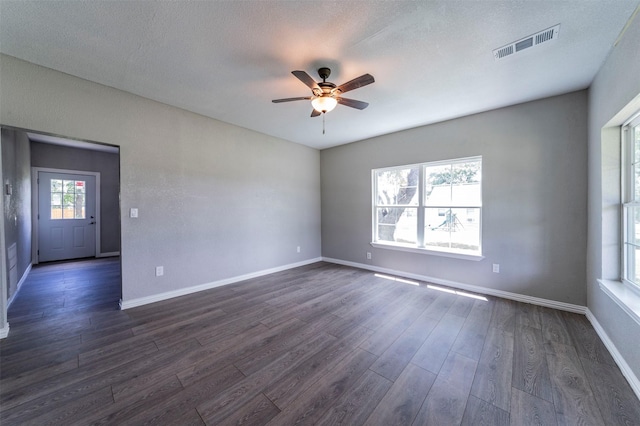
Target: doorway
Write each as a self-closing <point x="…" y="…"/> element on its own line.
<point x="83" y="180"/>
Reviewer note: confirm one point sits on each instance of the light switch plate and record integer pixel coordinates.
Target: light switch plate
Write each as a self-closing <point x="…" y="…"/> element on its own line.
<point x="133" y="213"/>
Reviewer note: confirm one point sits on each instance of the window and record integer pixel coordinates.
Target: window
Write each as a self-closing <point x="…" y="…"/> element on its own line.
<point x="430" y="206"/>
<point x="67" y="199"/>
<point x="631" y="200"/>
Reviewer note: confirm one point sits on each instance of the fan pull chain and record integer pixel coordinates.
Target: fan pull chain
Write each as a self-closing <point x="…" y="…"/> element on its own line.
<point x="323" y="114"/>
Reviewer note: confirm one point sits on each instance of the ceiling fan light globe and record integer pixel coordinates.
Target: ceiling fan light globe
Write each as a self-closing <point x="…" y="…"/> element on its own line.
<point x="324" y="103"/>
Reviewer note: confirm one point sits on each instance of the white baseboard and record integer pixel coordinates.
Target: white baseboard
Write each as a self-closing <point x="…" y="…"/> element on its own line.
<point x="4" y="331"/>
<point x="622" y="364"/>
<point x="472" y="288"/>
<point x="22" y="280"/>
<point x="127" y="304"/>
<point x="108" y="254"/>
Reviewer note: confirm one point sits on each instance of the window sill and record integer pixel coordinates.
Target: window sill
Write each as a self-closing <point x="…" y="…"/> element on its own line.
<point x="625" y="297"/>
<point x="455" y="255"/>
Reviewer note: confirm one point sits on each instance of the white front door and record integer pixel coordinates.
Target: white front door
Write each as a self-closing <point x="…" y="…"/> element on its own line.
<point x="66" y="216"/>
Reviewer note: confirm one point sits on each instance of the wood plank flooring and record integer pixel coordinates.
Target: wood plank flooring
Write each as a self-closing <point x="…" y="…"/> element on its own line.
<point x="320" y="344"/>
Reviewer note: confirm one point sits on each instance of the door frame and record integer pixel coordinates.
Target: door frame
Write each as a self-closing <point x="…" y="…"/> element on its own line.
<point x="34" y="206"/>
<point x="4" y="325"/>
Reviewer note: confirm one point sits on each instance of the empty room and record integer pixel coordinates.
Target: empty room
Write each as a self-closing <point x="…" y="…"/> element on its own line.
<point x="320" y="213"/>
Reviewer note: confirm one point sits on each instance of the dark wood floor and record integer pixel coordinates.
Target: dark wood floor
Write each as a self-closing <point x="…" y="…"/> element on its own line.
<point x="322" y="344"/>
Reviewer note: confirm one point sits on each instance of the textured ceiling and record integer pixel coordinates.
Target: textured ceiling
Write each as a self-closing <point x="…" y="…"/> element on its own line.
<point x="432" y="61"/>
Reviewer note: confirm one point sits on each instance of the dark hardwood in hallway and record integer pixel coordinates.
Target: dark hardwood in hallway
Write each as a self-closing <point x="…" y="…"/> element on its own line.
<point x="320" y="344"/>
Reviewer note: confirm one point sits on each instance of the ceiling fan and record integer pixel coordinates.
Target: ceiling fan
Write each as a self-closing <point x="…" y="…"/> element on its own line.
<point x="327" y="95"/>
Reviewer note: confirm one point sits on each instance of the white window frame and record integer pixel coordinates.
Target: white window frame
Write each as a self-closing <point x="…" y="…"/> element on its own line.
<point x="420" y="208"/>
<point x="628" y="197"/>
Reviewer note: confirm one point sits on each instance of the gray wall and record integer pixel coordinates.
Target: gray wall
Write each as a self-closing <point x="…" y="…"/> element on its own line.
<point x="215" y="200"/>
<point x="534" y="197"/>
<point x="17" y="206"/>
<point x="613" y="96"/>
<point x="108" y="164"/>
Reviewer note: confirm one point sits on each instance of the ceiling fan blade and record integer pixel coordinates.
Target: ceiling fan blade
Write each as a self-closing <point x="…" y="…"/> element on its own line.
<point x="357" y="82"/>
<point x="352" y="103"/>
<point x="306" y="79"/>
<point x="277" y="101"/>
<point x="315" y="113"/>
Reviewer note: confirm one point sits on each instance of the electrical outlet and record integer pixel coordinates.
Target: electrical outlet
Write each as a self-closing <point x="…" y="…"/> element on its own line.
<point x="496" y="268"/>
<point x="159" y="271"/>
<point x="368" y="255"/>
<point x="298" y="249"/>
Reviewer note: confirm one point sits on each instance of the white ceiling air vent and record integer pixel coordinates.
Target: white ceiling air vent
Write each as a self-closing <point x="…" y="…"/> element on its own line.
<point x="533" y="40"/>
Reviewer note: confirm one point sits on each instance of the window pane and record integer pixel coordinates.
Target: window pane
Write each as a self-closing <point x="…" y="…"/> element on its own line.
<point x="633" y="225"/>
<point x="68" y="212"/>
<point x="467" y="172"/>
<point x="438" y="175"/>
<point x="398" y="225"/>
<point x="636" y="144"/>
<point x="56" y="212"/>
<point x="56" y="199"/>
<point x="465" y="184"/>
<point x="397" y="187"/>
<point x="636" y="183"/>
<point x="68" y="199"/>
<point x="453" y="185"/>
<point x="79" y="206"/>
<point x="437" y="185"/>
<point x="56" y="185"/>
<point x="633" y="266"/>
<point x="68" y="186"/>
<point x="466" y="194"/>
<point x="458" y="230"/>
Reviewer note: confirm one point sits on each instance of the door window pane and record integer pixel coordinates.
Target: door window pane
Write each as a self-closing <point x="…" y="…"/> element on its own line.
<point x="79" y="206"/>
<point x="56" y="185"/>
<point x="68" y="199"/>
<point x="56" y="212"/>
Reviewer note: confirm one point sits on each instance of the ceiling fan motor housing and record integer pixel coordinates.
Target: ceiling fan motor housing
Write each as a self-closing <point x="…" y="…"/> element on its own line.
<point x="324" y="73"/>
<point x="327" y="87"/>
